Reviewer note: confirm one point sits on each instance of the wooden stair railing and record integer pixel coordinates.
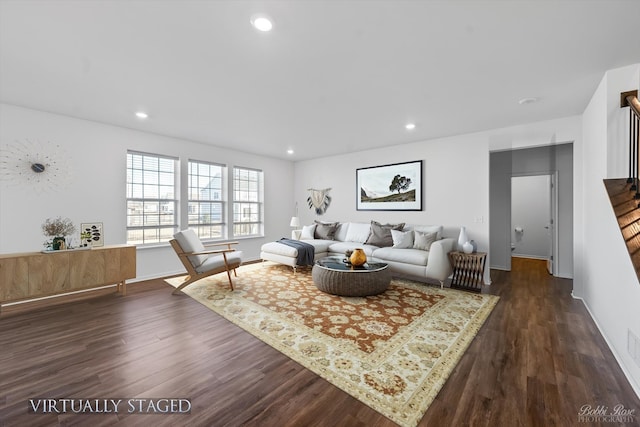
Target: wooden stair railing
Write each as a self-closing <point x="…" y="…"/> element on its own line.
<point x="630" y="99"/>
<point x="625" y="193"/>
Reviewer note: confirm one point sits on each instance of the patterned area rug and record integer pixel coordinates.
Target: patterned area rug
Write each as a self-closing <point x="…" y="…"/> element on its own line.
<point x="392" y="351"/>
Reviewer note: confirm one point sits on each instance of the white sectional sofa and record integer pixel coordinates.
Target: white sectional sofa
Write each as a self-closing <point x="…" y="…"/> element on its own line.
<point x="418" y="251"/>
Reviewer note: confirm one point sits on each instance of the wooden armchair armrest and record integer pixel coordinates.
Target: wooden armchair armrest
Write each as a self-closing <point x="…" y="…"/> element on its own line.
<point x="210" y="252"/>
<point x="227" y="244"/>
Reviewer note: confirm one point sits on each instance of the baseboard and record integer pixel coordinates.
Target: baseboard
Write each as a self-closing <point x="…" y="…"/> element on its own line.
<point x="529" y="257"/>
<point x="634" y="385"/>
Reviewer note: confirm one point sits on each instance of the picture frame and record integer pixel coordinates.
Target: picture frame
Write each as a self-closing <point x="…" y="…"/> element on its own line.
<point x="91" y="234"/>
<point x="393" y="187"/>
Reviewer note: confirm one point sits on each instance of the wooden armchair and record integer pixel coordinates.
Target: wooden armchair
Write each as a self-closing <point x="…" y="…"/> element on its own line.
<point x="201" y="262"/>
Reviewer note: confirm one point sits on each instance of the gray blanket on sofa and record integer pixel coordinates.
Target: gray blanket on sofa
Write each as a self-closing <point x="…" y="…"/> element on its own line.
<point x="306" y="252"/>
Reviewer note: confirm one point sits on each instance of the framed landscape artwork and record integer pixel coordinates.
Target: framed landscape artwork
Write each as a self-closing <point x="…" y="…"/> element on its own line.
<point x="396" y="187"/>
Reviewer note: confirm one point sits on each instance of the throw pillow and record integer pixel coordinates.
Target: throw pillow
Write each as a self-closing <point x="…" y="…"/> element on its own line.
<point x="380" y="234"/>
<point x="429" y="229"/>
<point x="325" y="230"/>
<point x="358" y="232"/>
<point x="308" y="232"/>
<point x="402" y="239"/>
<point x="423" y="241"/>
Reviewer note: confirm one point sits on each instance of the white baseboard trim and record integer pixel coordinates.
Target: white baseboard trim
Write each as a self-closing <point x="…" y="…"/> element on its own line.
<point x="634" y="385"/>
<point x="529" y="256"/>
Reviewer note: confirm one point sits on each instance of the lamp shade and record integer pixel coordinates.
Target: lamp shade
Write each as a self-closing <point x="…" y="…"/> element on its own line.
<point x="295" y="222"/>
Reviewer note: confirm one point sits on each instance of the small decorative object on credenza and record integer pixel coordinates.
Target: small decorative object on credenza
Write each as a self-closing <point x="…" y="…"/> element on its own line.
<point x="57" y="229"/>
<point x="467" y="248"/>
<point x="358" y="257"/>
<point x="91" y="234"/>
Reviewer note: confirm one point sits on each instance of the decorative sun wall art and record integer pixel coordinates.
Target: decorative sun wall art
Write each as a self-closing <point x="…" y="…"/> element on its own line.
<point x="41" y="166"/>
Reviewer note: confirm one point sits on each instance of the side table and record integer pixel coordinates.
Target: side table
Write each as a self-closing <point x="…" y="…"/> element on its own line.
<point x="468" y="270"/>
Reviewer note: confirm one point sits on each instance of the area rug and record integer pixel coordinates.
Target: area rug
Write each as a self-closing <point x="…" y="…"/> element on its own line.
<point x="393" y="351"/>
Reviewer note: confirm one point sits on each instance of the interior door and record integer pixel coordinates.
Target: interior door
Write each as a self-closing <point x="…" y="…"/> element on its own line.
<point x="552" y="229"/>
<point x="533" y="218"/>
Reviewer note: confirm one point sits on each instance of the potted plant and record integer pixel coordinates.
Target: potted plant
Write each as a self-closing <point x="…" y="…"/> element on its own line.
<point x="58" y="229"/>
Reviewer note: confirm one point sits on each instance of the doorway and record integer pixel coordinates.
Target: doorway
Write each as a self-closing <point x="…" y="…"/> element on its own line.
<point x="534" y="218"/>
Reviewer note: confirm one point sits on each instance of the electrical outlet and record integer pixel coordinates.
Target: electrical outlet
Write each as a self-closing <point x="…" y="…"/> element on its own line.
<point x="633" y="347"/>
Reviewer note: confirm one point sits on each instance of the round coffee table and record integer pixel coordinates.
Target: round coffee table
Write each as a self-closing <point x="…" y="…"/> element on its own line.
<point x="334" y="276"/>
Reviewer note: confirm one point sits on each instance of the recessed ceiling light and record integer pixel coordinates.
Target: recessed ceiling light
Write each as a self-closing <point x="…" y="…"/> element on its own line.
<point x="261" y="23"/>
<point x="289" y="151"/>
<point x="524" y="101"/>
<point x="141" y="115"/>
<point x="410" y="126"/>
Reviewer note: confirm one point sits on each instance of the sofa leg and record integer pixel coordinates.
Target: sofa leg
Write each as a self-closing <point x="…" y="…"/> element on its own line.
<point x="441" y="284"/>
<point x="294" y="270"/>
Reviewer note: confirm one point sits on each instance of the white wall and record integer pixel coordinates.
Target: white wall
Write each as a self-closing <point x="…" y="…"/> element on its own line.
<point x="530" y="212"/>
<point x="97" y="162"/>
<point x="605" y="278"/>
<point x="456" y="178"/>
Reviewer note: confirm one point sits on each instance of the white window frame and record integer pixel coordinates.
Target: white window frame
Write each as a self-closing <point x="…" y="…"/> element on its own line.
<point x="248" y="194"/>
<point x="196" y="200"/>
<point x="146" y="179"/>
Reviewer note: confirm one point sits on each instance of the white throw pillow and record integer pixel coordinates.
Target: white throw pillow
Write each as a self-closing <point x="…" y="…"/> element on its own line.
<point x="423" y="241"/>
<point x="402" y="239"/>
<point x="308" y="232"/>
<point x="358" y="232"/>
<point x="341" y="232"/>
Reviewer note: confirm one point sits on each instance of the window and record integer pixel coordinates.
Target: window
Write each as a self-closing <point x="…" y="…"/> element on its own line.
<point x="247" y="202"/>
<point x="206" y="201"/>
<point x="151" y="198"/>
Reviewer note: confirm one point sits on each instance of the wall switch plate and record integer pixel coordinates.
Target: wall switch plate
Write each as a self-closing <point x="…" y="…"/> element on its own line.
<point x="633" y="347"/>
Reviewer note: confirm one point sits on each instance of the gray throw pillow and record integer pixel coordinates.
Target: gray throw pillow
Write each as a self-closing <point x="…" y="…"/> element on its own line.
<point x="423" y="241"/>
<point x="380" y="234"/>
<point x="325" y="230"/>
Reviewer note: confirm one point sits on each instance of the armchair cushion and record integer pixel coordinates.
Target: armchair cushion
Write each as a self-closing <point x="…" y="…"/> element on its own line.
<point x="216" y="261"/>
<point x="190" y="242"/>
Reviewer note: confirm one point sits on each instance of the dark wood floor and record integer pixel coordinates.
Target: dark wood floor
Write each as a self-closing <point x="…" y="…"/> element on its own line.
<point x="537" y="360"/>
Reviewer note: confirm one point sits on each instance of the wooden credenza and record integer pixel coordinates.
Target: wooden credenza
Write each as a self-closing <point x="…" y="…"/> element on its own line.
<point x="36" y="274"/>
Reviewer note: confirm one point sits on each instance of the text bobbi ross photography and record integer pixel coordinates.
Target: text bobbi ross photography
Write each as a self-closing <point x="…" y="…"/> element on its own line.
<point x="605" y="414"/>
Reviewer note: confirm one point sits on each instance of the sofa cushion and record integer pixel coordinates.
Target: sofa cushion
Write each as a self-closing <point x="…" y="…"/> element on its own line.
<point x="342" y="247"/>
<point x="423" y="241"/>
<point x="406" y="256"/>
<point x="358" y="232"/>
<point x="278" y="248"/>
<point x="308" y="232"/>
<point x="402" y="239"/>
<point x="325" y="230"/>
<point x="320" y="245"/>
<point x="380" y="234"/>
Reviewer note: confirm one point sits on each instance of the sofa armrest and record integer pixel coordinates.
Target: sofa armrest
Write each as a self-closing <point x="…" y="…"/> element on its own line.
<point x="438" y="265"/>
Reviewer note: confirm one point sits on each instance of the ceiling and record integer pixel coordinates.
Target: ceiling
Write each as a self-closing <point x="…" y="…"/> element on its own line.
<point x="331" y="77"/>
